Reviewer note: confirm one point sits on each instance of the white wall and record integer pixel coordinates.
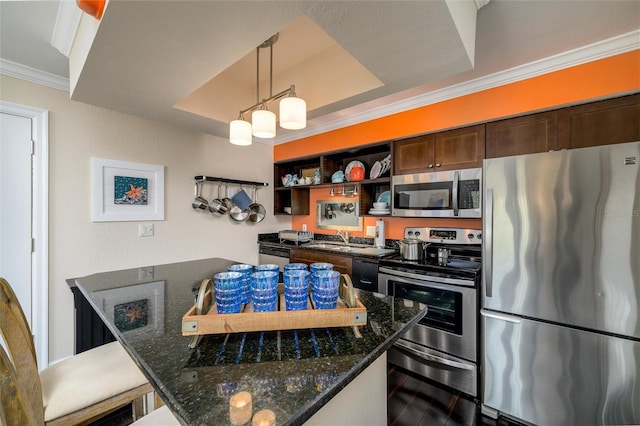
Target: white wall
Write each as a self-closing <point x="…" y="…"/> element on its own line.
<point x="78" y="247"/>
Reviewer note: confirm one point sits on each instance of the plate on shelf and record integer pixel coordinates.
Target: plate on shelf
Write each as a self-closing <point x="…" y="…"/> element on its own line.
<point x="379" y="212"/>
<point x="385" y="197"/>
<point x="350" y="166"/>
<point x="375" y="170"/>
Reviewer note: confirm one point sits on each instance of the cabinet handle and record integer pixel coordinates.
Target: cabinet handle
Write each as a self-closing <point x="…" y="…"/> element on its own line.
<point x="430" y="166"/>
<point x="366" y="281"/>
<point x="437" y="164"/>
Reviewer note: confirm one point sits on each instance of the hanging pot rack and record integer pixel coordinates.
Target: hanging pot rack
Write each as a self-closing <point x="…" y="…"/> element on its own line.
<point x="202" y="178"/>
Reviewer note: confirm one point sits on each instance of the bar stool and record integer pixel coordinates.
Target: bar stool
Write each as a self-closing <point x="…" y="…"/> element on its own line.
<point x="76" y="390"/>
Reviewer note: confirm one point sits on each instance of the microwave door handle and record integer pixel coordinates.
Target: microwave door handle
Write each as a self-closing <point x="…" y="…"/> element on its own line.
<point x="454" y="192"/>
<point x="487" y="256"/>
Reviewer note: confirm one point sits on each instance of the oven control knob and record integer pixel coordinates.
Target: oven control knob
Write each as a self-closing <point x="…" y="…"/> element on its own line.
<point x="470" y="236"/>
<point x="417" y="234"/>
<point x="410" y="233"/>
<point x="479" y="236"/>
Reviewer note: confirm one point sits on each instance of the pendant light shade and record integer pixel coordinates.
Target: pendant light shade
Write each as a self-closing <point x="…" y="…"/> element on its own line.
<point x="264" y="123"/>
<point x="240" y="132"/>
<point x="293" y="110"/>
<point x="293" y="113"/>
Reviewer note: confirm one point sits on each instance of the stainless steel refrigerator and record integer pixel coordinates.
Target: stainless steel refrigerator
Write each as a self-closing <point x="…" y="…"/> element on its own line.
<point x="561" y="286"/>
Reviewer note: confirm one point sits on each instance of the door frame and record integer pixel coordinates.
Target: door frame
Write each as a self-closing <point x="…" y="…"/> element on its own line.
<point x="39" y="225"/>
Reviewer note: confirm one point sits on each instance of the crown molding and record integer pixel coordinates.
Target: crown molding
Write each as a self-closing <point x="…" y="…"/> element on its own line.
<point x="600" y="50"/>
<point x="34" y="75"/>
<point x="66" y="27"/>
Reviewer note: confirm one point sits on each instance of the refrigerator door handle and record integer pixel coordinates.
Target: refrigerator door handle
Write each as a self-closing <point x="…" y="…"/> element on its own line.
<point x="454" y="192"/>
<point x="487" y="264"/>
<point x="430" y="357"/>
<point x="501" y="317"/>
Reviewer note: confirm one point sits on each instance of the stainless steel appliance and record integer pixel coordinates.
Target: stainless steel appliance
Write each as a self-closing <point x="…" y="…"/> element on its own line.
<point x="561" y="286"/>
<point x="454" y="193"/>
<point x="443" y="345"/>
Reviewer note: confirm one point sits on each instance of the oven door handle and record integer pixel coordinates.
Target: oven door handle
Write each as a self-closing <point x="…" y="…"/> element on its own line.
<point x="421" y="278"/>
<point x="430" y="357"/>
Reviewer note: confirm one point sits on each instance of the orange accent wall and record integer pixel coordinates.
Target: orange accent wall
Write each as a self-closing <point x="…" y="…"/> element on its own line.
<point x="605" y="77"/>
<point x="614" y="75"/>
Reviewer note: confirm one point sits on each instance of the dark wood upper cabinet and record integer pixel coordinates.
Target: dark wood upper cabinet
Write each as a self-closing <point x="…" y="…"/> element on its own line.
<point x="414" y="155"/>
<point x="600" y="123"/>
<point x="523" y="135"/>
<point x="460" y="148"/>
<point x="453" y="149"/>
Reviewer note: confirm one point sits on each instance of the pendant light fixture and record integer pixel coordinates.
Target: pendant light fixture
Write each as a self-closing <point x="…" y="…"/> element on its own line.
<point x="293" y="110"/>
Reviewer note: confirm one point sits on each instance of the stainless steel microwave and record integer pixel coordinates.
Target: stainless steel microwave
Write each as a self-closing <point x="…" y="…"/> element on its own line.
<point x="454" y="193"/>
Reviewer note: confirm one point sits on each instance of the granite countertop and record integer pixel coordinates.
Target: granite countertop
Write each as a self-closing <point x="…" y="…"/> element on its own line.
<point x="272" y="240"/>
<point x="293" y="373"/>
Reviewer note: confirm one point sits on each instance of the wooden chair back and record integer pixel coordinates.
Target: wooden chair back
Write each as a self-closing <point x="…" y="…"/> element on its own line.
<point x="14" y="410"/>
<point x="21" y="352"/>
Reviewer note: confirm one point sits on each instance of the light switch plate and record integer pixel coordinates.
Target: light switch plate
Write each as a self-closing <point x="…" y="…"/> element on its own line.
<point x="145" y="230"/>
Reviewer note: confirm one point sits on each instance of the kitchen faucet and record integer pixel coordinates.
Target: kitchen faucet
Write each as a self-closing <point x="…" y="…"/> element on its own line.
<point x="344" y="237"/>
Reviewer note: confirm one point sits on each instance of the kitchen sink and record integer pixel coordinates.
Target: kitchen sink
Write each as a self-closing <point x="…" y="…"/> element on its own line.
<point x="351" y="249"/>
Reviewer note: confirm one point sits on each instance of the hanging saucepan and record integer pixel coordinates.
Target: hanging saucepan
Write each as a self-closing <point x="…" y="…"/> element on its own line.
<point x="412" y="249"/>
<point x="199" y="202"/>
<point x="226" y="200"/>
<point x="237" y="214"/>
<point x="257" y="211"/>
<point x="216" y="205"/>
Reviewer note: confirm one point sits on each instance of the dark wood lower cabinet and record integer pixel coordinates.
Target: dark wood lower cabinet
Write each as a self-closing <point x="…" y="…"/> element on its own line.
<point x="341" y="264"/>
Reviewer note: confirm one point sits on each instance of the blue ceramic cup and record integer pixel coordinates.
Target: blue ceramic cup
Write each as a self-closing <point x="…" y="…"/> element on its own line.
<point x="228" y="286"/>
<point x="325" y="293"/>
<point x="296" y="289"/>
<point x="246" y="271"/>
<point x="264" y="291"/>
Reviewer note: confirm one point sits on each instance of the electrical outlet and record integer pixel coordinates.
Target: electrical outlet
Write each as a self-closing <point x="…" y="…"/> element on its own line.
<point x="145" y="230"/>
<point x="304" y="227"/>
<point x="371" y="231"/>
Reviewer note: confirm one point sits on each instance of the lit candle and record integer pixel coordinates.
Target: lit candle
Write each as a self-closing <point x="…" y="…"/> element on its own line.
<point x="264" y="418"/>
<point x="240" y="408"/>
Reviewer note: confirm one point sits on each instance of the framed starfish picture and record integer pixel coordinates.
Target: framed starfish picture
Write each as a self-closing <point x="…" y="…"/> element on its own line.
<point x="126" y="191"/>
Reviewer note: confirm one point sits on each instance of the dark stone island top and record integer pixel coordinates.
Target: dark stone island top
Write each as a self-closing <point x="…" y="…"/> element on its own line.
<point x="291" y="372"/>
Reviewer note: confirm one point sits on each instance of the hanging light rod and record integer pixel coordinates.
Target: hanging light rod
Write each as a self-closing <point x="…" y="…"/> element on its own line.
<point x="291" y="91"/>
<point x="293" y="110"/>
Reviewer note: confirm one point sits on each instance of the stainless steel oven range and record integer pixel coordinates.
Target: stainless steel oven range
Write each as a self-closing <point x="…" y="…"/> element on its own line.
<point x="443" y="345"/>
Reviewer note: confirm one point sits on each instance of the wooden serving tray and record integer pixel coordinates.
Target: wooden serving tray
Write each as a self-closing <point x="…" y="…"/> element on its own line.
<point x="210" y="322"/>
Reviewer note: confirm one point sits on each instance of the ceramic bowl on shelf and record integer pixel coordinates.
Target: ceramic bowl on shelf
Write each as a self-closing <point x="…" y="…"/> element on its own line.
<point x="379" y="205"/>
<point x="375" y="170"/>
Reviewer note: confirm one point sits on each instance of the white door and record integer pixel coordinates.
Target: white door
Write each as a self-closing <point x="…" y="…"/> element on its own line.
<point x="24" y="215"/>
<point x="15" y="198"/>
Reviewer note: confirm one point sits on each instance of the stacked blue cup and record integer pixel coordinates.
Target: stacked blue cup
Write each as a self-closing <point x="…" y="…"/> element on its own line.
<point x="296" y="289"/>
<point x="228" y="287"/>
<point x="246" y="271"/>
<point x="325" y="292"/>
<point x="319" y="266"/>
<point x="267" y="267"/>
<point x="288" y="266"/>
<point x="264" y="291"/>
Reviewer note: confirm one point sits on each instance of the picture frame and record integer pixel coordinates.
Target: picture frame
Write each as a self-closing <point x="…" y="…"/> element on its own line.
<point x="126" y="191"/>
<point x="136" y="310"/>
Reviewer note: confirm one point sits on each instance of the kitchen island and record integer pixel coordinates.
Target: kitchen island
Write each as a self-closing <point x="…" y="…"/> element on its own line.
<point x="294" y="373"/>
